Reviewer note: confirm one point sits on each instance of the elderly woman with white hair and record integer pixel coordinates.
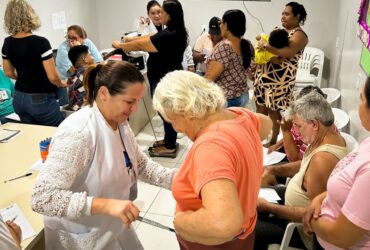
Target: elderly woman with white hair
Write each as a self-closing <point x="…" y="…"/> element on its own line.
<point x="313" y="117"/>
<point x="216" y="188"/>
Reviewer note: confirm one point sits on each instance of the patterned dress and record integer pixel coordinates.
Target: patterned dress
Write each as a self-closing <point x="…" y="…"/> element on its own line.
<point x="233" y="79"/>
<point x="274" y="83"/>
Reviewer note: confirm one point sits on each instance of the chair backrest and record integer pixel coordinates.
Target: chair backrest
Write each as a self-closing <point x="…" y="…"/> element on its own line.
<point x="311" y="64"/>
<point x="332" y="94"/>
<point x="351" y="142"/>
<point x="341" y="118"/>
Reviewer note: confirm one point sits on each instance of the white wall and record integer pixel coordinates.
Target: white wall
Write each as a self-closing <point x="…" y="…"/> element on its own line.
<point x="350" y="77"/>
<point x="331" y="25"/>
<point x="116" y="17"/>
<point x="81" y="12"/>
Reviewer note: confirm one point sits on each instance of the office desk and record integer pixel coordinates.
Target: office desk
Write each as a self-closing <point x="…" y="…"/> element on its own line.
<point x="16" y="158"/>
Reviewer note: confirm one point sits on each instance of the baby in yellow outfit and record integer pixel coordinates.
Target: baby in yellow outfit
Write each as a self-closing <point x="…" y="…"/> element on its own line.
<point x="278" y="38"/>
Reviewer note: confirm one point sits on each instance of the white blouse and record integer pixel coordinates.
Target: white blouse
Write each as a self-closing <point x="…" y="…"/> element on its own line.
<point x="86" y="160"/>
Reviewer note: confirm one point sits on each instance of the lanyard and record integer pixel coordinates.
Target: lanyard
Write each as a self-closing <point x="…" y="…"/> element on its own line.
<point x="125" y="154"/>
<point x="132" y="174"/>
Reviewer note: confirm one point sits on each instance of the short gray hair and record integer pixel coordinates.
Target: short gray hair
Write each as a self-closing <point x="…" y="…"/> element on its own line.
<point x="312" y="106"/>
<point x="188" y="94"/>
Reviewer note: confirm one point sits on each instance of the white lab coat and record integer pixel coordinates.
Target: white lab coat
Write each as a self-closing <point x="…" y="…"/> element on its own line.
<point x="99" y="171"/>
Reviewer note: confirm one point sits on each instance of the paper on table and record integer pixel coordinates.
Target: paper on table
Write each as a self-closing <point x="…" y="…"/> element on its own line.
<point x="38" y="165"/>
<point x="7" y="134"/>
<point x="13" y="116"/>
<point x="9" y="213"/>
<point x="272" y="158"/>
<point x="269" y="194"/>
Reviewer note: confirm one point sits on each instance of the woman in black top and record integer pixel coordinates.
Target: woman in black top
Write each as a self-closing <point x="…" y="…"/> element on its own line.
<point x="28" y="59"/>
<point x="166" y="49"/>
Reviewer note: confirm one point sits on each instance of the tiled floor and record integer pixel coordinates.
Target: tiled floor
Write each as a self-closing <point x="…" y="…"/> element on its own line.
<point x="156" y="203"/>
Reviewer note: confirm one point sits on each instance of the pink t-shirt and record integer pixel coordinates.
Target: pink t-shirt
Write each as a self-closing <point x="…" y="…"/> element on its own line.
<point x="348" y="188"/>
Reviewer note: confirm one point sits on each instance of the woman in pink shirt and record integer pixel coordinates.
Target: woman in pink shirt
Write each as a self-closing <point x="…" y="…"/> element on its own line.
<point x="340" y="217"/>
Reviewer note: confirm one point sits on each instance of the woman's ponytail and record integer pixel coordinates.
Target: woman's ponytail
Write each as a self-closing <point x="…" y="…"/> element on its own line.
<point x="89" y="83"/>
<point x="247" y="52"/>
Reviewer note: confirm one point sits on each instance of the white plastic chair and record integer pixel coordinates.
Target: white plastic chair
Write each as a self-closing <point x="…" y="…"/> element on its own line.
<point x="341" y="118"/>
<point x="351" y="142"/>
<point x="332" y="94"/>
<point x="286" y="238"/>
<point x="310" y="67"/>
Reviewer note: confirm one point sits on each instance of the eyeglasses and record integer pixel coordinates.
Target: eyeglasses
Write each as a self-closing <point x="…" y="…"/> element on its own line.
<point x="73" y="38"/>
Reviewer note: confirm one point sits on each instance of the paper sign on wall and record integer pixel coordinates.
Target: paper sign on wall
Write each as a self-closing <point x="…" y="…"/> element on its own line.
<point x="59" y="20"/>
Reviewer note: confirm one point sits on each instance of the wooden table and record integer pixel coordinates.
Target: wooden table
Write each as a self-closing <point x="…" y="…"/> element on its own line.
<point x="16" y="158"/>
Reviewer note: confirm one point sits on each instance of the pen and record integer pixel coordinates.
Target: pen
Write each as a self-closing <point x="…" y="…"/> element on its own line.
<point x="10" y="136"/>
<point x="15" y="178"/>
<point x="15" y="217"/>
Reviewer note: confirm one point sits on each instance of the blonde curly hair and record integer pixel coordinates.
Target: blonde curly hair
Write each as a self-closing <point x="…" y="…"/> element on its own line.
<point x="188" y="94"/>
<point x="20" y="17"/>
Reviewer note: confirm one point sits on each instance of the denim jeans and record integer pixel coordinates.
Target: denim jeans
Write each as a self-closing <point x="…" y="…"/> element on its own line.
<point x="3" y="119"/>
<point x="239" y="101"/>
<point x="62" y="96"/>
<point x="41" y="109"/>
<point x="170" y="135"/>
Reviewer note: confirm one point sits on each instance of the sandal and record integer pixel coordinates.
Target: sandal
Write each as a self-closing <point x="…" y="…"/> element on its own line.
<point x="157" y="144"/>
<point x="162" y="151"/>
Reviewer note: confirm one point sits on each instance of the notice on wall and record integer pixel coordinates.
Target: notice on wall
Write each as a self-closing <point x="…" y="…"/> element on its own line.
<point x="59" y="20"/>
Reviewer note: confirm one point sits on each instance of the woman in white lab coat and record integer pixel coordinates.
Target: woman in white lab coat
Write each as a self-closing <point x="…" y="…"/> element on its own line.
<point x="86" y="189"/>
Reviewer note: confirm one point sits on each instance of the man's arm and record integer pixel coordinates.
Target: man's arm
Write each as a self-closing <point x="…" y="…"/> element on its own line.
<point x="284" y="170"/>
<point x="289" y="213"/>
<point x="318" y="172"/>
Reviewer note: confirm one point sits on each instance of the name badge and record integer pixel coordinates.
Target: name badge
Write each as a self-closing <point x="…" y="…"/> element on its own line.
<point x="3" y="95"/>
